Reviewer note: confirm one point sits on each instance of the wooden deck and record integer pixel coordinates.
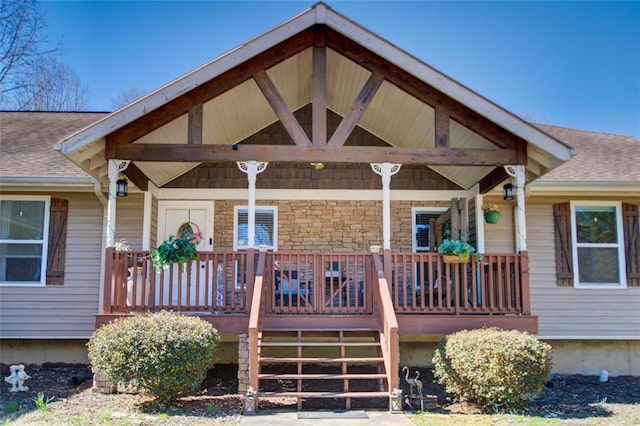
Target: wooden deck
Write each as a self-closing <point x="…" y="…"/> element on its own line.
<point x="424" y="294"/>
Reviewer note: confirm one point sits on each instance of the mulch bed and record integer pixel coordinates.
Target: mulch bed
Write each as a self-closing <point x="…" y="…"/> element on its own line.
<point x="566" y="396"/>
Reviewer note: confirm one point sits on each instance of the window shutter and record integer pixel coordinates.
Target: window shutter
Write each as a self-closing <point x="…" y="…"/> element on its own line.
<point x="631" y="244"/>
<point x="564" y="252"/>
<point x="59" y="211"/>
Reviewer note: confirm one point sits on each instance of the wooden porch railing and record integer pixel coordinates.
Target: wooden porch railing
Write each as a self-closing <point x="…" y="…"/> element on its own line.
<point x="388" y="322"/>
<point x="213" y="283"/>
<point x="493" y="284"/>
<point x="317" y="283"/>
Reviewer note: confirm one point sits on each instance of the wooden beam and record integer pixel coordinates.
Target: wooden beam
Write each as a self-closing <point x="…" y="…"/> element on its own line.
<point x="210" y="89"/>
<point x="419" y="89"/>
<point x="442" y="127"/>
<point x="358" y="108"/>
<point x="194" y="126"/>
<point x="495" y="177"/>
<point x="280" y="107"/>
<point x="319" y="106"/>
<point x="137" y="176"/>
<point x="312" y="153"/>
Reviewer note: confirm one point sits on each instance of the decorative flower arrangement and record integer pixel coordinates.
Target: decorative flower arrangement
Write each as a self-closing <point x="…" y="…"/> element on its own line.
<point x="175" y="250"/>
<point x="491" y="208"/>
<point x="491" y="213"/>
<point x="122" y="245"/>
<point x="456" y="248"/>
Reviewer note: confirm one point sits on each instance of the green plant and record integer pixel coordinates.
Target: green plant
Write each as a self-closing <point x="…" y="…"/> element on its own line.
<point x="122" y="245"/>
<point x="42" y="403"/>
<point x="460" y="248"/>
<point x="166" y="354"/>
<point x="492" y="367"/>
<point x="175" y="250"/>
<point x="491" y="208"/>
<point x="11" y="407"/>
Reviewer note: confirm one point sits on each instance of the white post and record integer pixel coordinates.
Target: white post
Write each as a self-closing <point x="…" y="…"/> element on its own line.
<point x="111" y="202"/>
<point x="251" y="168"/>
<point x="386" y="170"/>
<point x="114" y="169"/>
<point x="479" y="219"/>
<point x="146" y="216"/>
<point x="518" y="173"/>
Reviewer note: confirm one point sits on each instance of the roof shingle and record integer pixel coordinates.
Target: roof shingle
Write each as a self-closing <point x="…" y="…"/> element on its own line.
<point x="27" y="138"/>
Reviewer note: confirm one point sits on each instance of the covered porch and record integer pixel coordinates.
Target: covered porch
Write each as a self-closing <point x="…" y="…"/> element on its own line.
<point x="328" y="145"/>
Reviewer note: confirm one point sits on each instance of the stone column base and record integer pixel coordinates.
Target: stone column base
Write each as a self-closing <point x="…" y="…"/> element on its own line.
<point x="103" y="384"/>
<point x="243" y="362"/>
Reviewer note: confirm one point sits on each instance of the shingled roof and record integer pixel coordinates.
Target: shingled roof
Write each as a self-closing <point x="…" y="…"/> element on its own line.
<point x="26" y="145"/>
<point x="602" y="158"/>
<point x="26" y="153"/>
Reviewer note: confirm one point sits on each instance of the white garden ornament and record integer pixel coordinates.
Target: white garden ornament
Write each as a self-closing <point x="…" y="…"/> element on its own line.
<point x="17" y="378"/>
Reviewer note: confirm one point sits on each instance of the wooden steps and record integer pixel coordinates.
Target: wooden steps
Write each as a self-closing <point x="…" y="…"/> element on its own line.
<point x="313" y="365"/>
<point x="321" y="376"/>
<point x="327" y="394"/>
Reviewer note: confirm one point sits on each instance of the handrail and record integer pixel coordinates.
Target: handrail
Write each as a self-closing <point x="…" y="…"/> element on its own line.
<point x="387" y="316"/>
<point x="254" y="321"/>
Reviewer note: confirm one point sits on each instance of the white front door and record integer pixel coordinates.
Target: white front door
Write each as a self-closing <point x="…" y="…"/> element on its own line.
<point x="177" y="215"/>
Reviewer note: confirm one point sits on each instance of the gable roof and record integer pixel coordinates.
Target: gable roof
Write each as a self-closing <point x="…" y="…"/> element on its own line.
<point x="236" y="113"/>
<point x="26" y="154"/>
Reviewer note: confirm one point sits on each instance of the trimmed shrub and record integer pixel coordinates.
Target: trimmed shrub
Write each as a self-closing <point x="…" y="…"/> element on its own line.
<point x="492" y="367"/>
<point x="166" y="354"/>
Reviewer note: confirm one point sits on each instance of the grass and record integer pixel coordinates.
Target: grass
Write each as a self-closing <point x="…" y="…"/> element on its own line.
<point x="432" y="419"/>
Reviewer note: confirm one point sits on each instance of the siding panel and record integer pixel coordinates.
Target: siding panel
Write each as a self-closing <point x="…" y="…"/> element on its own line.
<point x="566" y="312"/>
<point x="61" y="311"/>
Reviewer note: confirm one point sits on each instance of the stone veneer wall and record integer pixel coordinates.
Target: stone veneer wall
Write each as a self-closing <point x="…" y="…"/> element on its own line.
<point x="327" y="225"/>
<point x="243" y="362"/>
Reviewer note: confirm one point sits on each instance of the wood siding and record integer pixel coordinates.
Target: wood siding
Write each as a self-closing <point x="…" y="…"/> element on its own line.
<point x="68" y="311"/>
<point x="500" y="237"/>
<point x="567" y="312"/>
<point x="65" y="311"/>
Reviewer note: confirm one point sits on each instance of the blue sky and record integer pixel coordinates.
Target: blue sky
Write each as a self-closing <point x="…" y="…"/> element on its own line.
<point x="573" y="64"/>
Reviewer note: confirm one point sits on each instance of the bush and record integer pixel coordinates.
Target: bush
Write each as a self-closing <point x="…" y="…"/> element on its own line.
<point x="166" y="354"/>
<point x="492" y="367"/>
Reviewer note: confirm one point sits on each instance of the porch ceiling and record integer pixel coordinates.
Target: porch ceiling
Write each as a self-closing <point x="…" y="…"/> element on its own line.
<point x="393" y="115"/>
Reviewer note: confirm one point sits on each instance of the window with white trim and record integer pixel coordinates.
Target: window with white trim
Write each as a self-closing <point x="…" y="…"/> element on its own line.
<point x="266" y="227"/>
<point x="598" y="249"/>
<point x="24" y="225"/>
<point x="422" y="224"/>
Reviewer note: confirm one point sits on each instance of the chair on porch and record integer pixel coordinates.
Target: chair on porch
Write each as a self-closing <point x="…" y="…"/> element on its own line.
<point x="287" y="285"/>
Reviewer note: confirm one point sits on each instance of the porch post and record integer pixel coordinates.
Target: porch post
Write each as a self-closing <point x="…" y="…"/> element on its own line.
<point x="251" y="168"/>
<point x="115" y="167"/>
<point x="386" y="170"/>
<point x="518" y="173"/>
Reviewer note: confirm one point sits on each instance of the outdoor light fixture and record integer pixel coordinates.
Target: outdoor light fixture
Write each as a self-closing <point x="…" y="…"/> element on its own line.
<point x="507" y="191"/>
<point x="121" y="187"/>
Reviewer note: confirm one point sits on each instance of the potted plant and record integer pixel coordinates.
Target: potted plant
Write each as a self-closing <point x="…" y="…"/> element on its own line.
<point x="491" y="213"/>
<point x="456" y="251"/>
<point x="178" y="250"/>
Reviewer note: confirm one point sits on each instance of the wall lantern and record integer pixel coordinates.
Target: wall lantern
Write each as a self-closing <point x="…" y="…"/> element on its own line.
<point x="507" y="191"/>
<point x="121" y="187"/>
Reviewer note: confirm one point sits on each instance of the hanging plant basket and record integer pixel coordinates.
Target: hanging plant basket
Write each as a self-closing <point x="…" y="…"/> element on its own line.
<point x="447" y="258"/>
<point x="492" y="217"/>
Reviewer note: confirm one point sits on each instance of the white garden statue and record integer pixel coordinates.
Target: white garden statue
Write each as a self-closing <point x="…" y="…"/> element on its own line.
<point x="17" y="378"/>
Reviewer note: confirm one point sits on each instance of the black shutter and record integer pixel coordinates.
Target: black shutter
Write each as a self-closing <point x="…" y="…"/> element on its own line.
<point x="564" y="251"/>
<point x="59" y="211"/>
<point x="631" y="244"/>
